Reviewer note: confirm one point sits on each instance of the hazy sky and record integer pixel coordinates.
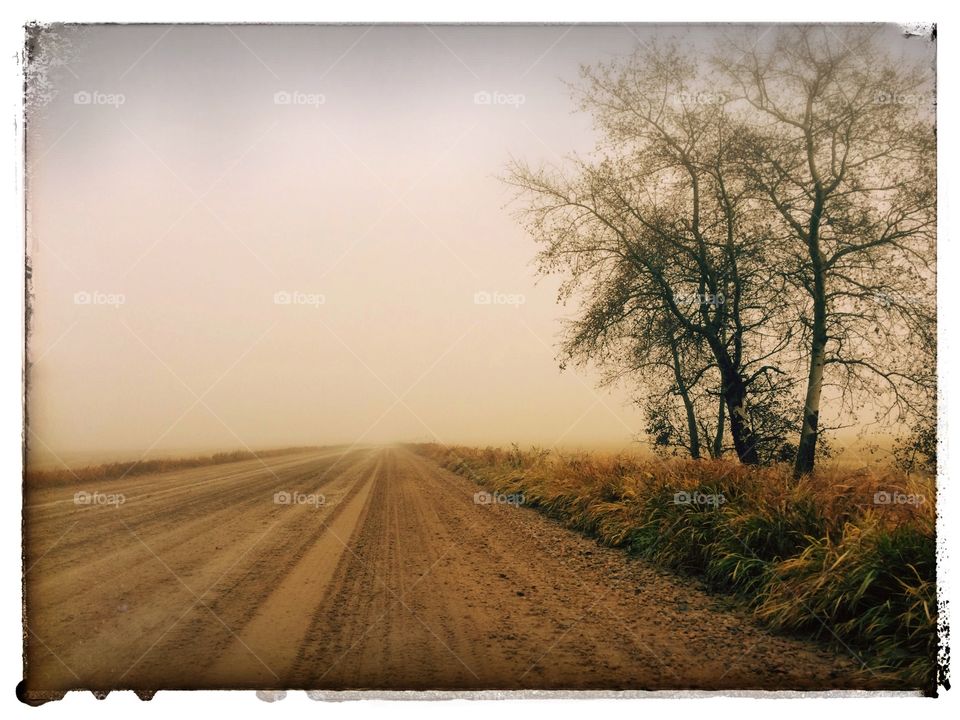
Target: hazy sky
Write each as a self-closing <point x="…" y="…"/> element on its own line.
<point x="185" y="182"/>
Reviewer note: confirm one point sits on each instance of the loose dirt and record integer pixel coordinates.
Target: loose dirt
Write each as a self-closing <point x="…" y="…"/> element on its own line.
<point x="381" y="572"/>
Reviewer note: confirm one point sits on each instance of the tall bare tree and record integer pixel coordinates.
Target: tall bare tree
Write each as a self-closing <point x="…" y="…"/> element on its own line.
<point x="839" y="143"/>
<point x="658" y="230"/>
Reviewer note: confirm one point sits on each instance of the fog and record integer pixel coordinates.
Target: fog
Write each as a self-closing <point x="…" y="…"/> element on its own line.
<point x="263" y="236"/>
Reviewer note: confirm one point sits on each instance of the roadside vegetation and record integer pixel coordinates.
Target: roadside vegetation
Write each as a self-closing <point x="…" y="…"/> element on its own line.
<point x="111" y="471"/>
<point x="845" y="557"/>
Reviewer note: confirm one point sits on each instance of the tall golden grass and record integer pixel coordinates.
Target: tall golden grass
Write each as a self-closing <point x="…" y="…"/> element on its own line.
<point x="844" y="556"/>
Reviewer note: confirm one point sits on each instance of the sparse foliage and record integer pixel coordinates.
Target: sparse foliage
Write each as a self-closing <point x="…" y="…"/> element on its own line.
<point x="839" y="145"/>
<point x="749" y="228"/>
<point x="658" y="238"/>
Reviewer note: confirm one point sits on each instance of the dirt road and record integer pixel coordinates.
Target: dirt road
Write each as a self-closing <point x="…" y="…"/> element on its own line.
<point x="370" y="568"/>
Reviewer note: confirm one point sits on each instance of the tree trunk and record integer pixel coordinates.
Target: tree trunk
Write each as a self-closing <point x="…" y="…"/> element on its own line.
<point x="687" y="403"/>
<point x="744" y="439"/>
<point x="734" y="391"/>
<point x="718" y="438"/>
<point x="807" y="447"/>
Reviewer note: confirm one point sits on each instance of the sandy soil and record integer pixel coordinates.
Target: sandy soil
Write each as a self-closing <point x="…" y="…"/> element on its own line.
<point x="398" y="580"/>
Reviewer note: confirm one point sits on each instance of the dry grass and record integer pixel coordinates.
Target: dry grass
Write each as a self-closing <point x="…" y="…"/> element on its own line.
<point x="819" y="557"/>
<point x="36" y="479"/>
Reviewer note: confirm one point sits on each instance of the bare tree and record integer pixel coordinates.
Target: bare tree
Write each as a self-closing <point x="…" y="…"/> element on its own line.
<point x="839" y="143"/>
<point x="658" y="232"/>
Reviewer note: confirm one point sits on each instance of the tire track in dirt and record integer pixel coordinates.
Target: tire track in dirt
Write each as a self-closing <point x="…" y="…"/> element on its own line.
<point x="399" y="581"/>
<point x="122" y="601"/>
<point x="444" y="593"/>
<point x="104" y="544"/>
<point x="237" y="598"/>
<point x="278" y="622"/>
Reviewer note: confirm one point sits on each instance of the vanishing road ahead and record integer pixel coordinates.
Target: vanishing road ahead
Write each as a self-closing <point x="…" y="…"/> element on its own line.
<point x="381" y="572"/>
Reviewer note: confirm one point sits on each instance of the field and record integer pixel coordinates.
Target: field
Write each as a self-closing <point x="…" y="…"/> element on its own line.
<point x="368" y="568"/>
